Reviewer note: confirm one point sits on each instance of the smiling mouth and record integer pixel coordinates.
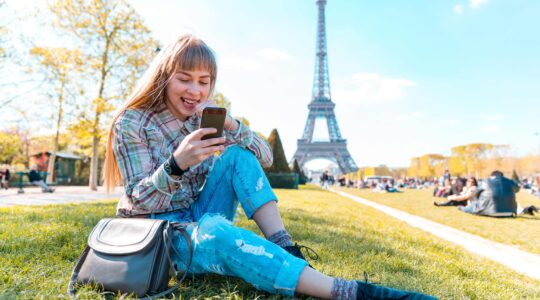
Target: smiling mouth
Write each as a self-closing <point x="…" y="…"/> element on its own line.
<point x="189" y="101"/>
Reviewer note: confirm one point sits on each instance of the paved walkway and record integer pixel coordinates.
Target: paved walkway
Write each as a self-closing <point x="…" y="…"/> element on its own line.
<point x="518" y="260"/>
<point x="62" y="194"/>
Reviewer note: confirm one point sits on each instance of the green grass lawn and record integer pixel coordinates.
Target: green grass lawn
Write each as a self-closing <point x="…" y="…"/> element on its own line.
<point x="39" y="246"/>
<point x="522" y="232"/>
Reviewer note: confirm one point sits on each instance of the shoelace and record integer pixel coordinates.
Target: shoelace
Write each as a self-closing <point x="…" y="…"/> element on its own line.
<point x="309" y="252"/>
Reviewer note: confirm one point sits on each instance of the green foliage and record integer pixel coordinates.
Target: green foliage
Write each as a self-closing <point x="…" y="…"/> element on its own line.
<point x="283" y="180"/>
<point x="350" y="239"/>
<point x="280" y="164"/>
<point x="302" y="178"/>
<point x="3" y="32"/>
<point x="222" y="101"/>
<point x="11" y="148"/>
<point x="117" y="46"/>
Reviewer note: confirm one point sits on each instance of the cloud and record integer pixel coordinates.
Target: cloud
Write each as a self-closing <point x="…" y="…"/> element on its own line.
<point x="472" y="4"/>
<point x="475" y="4"/>
<point x="370" y="87"/>
<point x="273" y="54"/>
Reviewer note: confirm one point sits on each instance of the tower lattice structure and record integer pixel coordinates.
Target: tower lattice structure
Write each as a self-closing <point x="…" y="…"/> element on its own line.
<point x="322" y="107"/>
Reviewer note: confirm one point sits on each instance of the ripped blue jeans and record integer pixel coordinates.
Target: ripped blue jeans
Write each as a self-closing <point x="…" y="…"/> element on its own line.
<point x="222" y="248"/>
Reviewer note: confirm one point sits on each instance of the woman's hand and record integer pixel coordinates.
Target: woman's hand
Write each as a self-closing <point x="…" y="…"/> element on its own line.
<point x="192" y="150"/>
<point x="230" y="123"/>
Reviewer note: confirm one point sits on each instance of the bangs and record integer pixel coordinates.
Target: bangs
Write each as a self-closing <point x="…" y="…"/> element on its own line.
<point x="197" y="56"/>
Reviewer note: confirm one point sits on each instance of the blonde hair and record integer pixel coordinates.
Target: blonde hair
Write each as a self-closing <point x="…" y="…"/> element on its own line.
<point x="186" y="53"/>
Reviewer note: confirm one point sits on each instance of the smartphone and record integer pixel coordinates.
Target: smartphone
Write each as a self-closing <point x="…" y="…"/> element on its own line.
<point x="213" y="117"/>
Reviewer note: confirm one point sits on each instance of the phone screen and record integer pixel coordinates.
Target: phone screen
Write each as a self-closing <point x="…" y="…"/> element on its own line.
<point x="213" y="117"/>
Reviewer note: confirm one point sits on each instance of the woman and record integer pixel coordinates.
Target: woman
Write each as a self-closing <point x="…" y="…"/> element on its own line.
<point x="155" y="150"/>
<point x="468" y="193"/>
<point x="444" y="190"/>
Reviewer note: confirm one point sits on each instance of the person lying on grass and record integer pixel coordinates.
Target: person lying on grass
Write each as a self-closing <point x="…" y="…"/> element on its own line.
<point x="155" y="149"/>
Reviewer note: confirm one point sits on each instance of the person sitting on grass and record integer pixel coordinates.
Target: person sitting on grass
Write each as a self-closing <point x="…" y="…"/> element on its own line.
<point x="467" y="194"/>
<point x="5" y="175"/>
<point x="155" y="149"/>
<point x="390" y="188"/>
<point x="497" y="198"/>
<point x="35" y="179"/>
<point x="444" y="190"/>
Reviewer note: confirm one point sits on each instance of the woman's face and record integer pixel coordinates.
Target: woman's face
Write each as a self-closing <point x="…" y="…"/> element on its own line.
<point x="186" y="91"/>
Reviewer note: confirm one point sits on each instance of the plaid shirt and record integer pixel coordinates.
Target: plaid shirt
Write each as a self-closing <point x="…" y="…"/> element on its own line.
<point x="145" y="139"/>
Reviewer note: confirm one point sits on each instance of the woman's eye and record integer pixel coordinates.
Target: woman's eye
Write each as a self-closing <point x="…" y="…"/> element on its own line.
<point x="204" y="83"/>
<point x="183" y="79"/>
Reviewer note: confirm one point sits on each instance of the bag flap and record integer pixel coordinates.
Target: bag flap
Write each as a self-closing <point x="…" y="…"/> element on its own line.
<point x="124" y="236"/>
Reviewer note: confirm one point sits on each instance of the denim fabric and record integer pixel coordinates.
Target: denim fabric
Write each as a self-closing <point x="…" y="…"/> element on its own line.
<point x="222" y="248"/>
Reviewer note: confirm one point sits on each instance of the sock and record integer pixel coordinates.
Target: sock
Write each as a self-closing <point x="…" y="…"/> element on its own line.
<point x="281" y="238"/>
<point x="344" y="289"/>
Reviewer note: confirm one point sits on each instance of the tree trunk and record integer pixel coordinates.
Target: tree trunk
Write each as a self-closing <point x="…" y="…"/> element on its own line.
<point x="50" y="167"/>
<point x="93" y="182"/>
<point x="52" y="158"/>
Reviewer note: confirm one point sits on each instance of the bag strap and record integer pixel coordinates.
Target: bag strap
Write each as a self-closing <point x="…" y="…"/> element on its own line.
<point x="168" y="245"/>
<point x="183" y="231"/>
<point x="75" y="273"/>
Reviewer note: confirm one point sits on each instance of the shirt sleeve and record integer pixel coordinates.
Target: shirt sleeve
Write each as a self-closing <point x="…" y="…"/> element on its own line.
<point x="246" y="138"/>
<point x="146" y="183"/>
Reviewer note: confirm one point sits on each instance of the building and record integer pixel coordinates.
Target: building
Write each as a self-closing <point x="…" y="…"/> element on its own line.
<point x="64" y="166"/>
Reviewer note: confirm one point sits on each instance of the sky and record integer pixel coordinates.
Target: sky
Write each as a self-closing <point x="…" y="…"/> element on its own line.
<point x="408" y="77"/>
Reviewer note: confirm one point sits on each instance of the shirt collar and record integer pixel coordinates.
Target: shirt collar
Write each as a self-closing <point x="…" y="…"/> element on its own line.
<point x="165" y="117"/>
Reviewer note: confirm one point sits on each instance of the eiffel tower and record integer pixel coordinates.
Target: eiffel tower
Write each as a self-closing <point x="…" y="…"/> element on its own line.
<point x="322" y="107"/>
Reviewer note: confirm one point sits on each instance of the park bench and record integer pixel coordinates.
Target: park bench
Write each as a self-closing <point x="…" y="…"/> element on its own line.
<point x="22" y="183"/>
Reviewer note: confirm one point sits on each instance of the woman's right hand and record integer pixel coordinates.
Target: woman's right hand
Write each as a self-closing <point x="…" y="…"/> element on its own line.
<point x="192" y="150"/>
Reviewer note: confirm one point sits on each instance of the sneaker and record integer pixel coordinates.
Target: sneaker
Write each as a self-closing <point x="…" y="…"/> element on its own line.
<point x="530" y="210"/>
<point x="371" y="291"/>
<point x="296" y="250"/>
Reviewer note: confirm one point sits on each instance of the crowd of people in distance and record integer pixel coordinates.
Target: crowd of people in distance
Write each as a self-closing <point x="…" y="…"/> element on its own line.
<point x="494" y="196"/>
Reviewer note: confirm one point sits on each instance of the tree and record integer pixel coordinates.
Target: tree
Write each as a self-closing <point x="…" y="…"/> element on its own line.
<point x="280" y="164"/>
<point x="222" y="101"/>
<point x="60" y="67"/>
<point x="11" y="148"/>
<point x="117" y="45"/>
<point x="414" y="168"/>
<point x="3" y="33"/>
<point x="302" y="178"/>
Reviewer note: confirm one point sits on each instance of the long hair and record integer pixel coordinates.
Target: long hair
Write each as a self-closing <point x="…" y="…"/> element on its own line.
<point x="186" y="53"/>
